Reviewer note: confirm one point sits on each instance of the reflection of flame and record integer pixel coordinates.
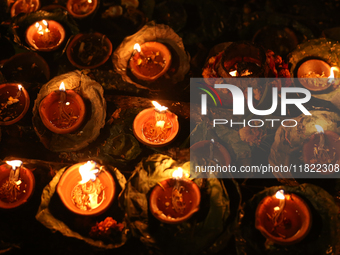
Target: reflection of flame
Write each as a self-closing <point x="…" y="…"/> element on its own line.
<point x="280" y="194"/>
<point x="233" y="73"/>
<point x="160" y="123"/>
<point x="88" y="172"/>
<point x="319" y="128"/>
<point x="331" y="76"/>
<point x="14" y="163"/>
<point x="158" y="107"/>
<point x="62" y="86"/>
<point x="276" y="208"/>
<point x="19" y="87"/>
<point x="178" y="173"/>
<point x="137" y="47"/>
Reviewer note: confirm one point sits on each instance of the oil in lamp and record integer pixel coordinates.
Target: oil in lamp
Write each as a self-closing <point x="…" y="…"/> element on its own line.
<point x="16" y="184"/>
<point x="316" y="74"/>
<point x="62" y="111"/>
<point x="14" y="103"/>
<point x="45" y="35"/>
<point x="322" y="148"/>
<point x="81" y="8"/>
<point x="86" y="189"/>
<point x="150" y="61"/>
<point x="155" y="127"/>
<point x="24" y="6"/>
<point x="176" y="199"/>
<point x="284" y="219"/>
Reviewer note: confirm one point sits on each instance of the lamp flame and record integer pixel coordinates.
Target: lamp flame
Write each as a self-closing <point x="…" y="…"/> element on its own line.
<point x="19" y="87"/>
<point x="14" y="163"/>
<point x="178" y="173"/>
<point x="137" y="47"/>
<point x="45" y="22"/>
<point x="37" y="24"/>
<point x="88" y="172"/>
<point x="233" y="73"/>
<point x="89" y="1"/>
<point x="62" y="86"/>
<point x="319" y="128"/>
<point x="280" y="194"/>
<point x="159" y="107"/>
<point x="331" y="76"/>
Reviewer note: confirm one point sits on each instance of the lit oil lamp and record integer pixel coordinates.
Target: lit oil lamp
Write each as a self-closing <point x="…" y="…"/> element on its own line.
<point x="150" y="61"/>
<point x="45" y="35"/>
<point x="16" y="184"/>
<point x="14" y="103"/>
<point x="316" y="74"/>
<point x="86" y="189"/>
<point x="322" y="148"/>
<point x="62" y="111"/>
<point x="176" y="199"/>
<point x="81" y="8"/>
<point x="284" y="219"/>
<point x="155" y="127"/>
<point x="24" y="6"/>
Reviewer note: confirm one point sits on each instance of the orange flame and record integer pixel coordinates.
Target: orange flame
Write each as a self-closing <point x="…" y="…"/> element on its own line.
<point x="178" y="173"/>
<point x="158" y="107"/>
<point x="331" y="76"/>
<point x="88" y="172"/>
<point x="280" y="194"/>
<point x="233" y="73"/>
<point x="137" y="47"/>
<point x="62" y="86"/>
<point x="19" y="87"/>
<point x="319" y="128"/>
<point x="14" y="163"/>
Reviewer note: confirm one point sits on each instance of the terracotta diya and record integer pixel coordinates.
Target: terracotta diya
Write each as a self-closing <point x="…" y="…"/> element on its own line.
<point x="175" y="200"/>
<point x="62" y="111"/>
<point x="155" y="127"/>
<point x="285" y="219"/>
<point x="323" y="147"/>
<point x="24" y="6"/>
<point x="86" y="189"/>
<point x="81" y="8"/>
<point x="150" y="61"/>
<point x="89" y="50"/>
<point x="16" y="184"/>
<point x="315" y="74"/>
<point x="45" y="35"/>
<point x="14" y="103"/>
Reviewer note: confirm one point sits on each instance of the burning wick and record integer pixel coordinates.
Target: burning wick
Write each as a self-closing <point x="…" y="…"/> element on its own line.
<point x="14" y="100"/>
<point x="157" y="129"/>
<point x="10" y="190"/>
<point x="278" y="211"/>
<point x="89" y="193"/>
<point x="137" y="49"/>
<point x="40" y="29"/>
<point x="331" y="76"/>
<point x="65" y="118"/>
<point x="176" y="194"/>
<point x="321" y="152"/>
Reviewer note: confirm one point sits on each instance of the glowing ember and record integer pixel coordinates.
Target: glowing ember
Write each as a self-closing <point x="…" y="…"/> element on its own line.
<point x="159" y="107"/>
<point x="137" y="47"/>
<point x="14" y="163"/>
<point x="89" y="193"/>
<point x="62" y="86"/>
<point x="280" y="194"/>
<point x="319" y="128"/>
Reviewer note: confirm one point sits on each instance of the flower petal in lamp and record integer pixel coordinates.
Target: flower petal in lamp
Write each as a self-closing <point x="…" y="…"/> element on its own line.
<point x="175" y="200"/>
<point x="284" y="219"/>
<point x="323" y="147"/>
<point x="16" y="184"/>
<point x="62" y="111"/>
<point x="150" y="61"/>
<point x="155" y="127"/>
<point x="45" y="35"/>
<point x="86" y="189"/>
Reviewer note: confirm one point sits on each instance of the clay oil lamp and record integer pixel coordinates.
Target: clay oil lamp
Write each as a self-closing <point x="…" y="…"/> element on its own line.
<point x="24" y="6"/>
<point x="150" y="61"/>
<point x="323" y="147"/>
<point x="89" y="50"/>
<point x="175" y="200"/>
<point x="316" y="75"/>
<point x="242" y="60"/>
<point x="81" y="8"/>
<point x="45" y="35"/>
<point x="155" y="127"/>
<point x="14" y="103"/>
<point x="16" y="184"/>
<point x="86" y="189"/>
<point x="62" y="111"/>
<point x="284" y="219"/>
